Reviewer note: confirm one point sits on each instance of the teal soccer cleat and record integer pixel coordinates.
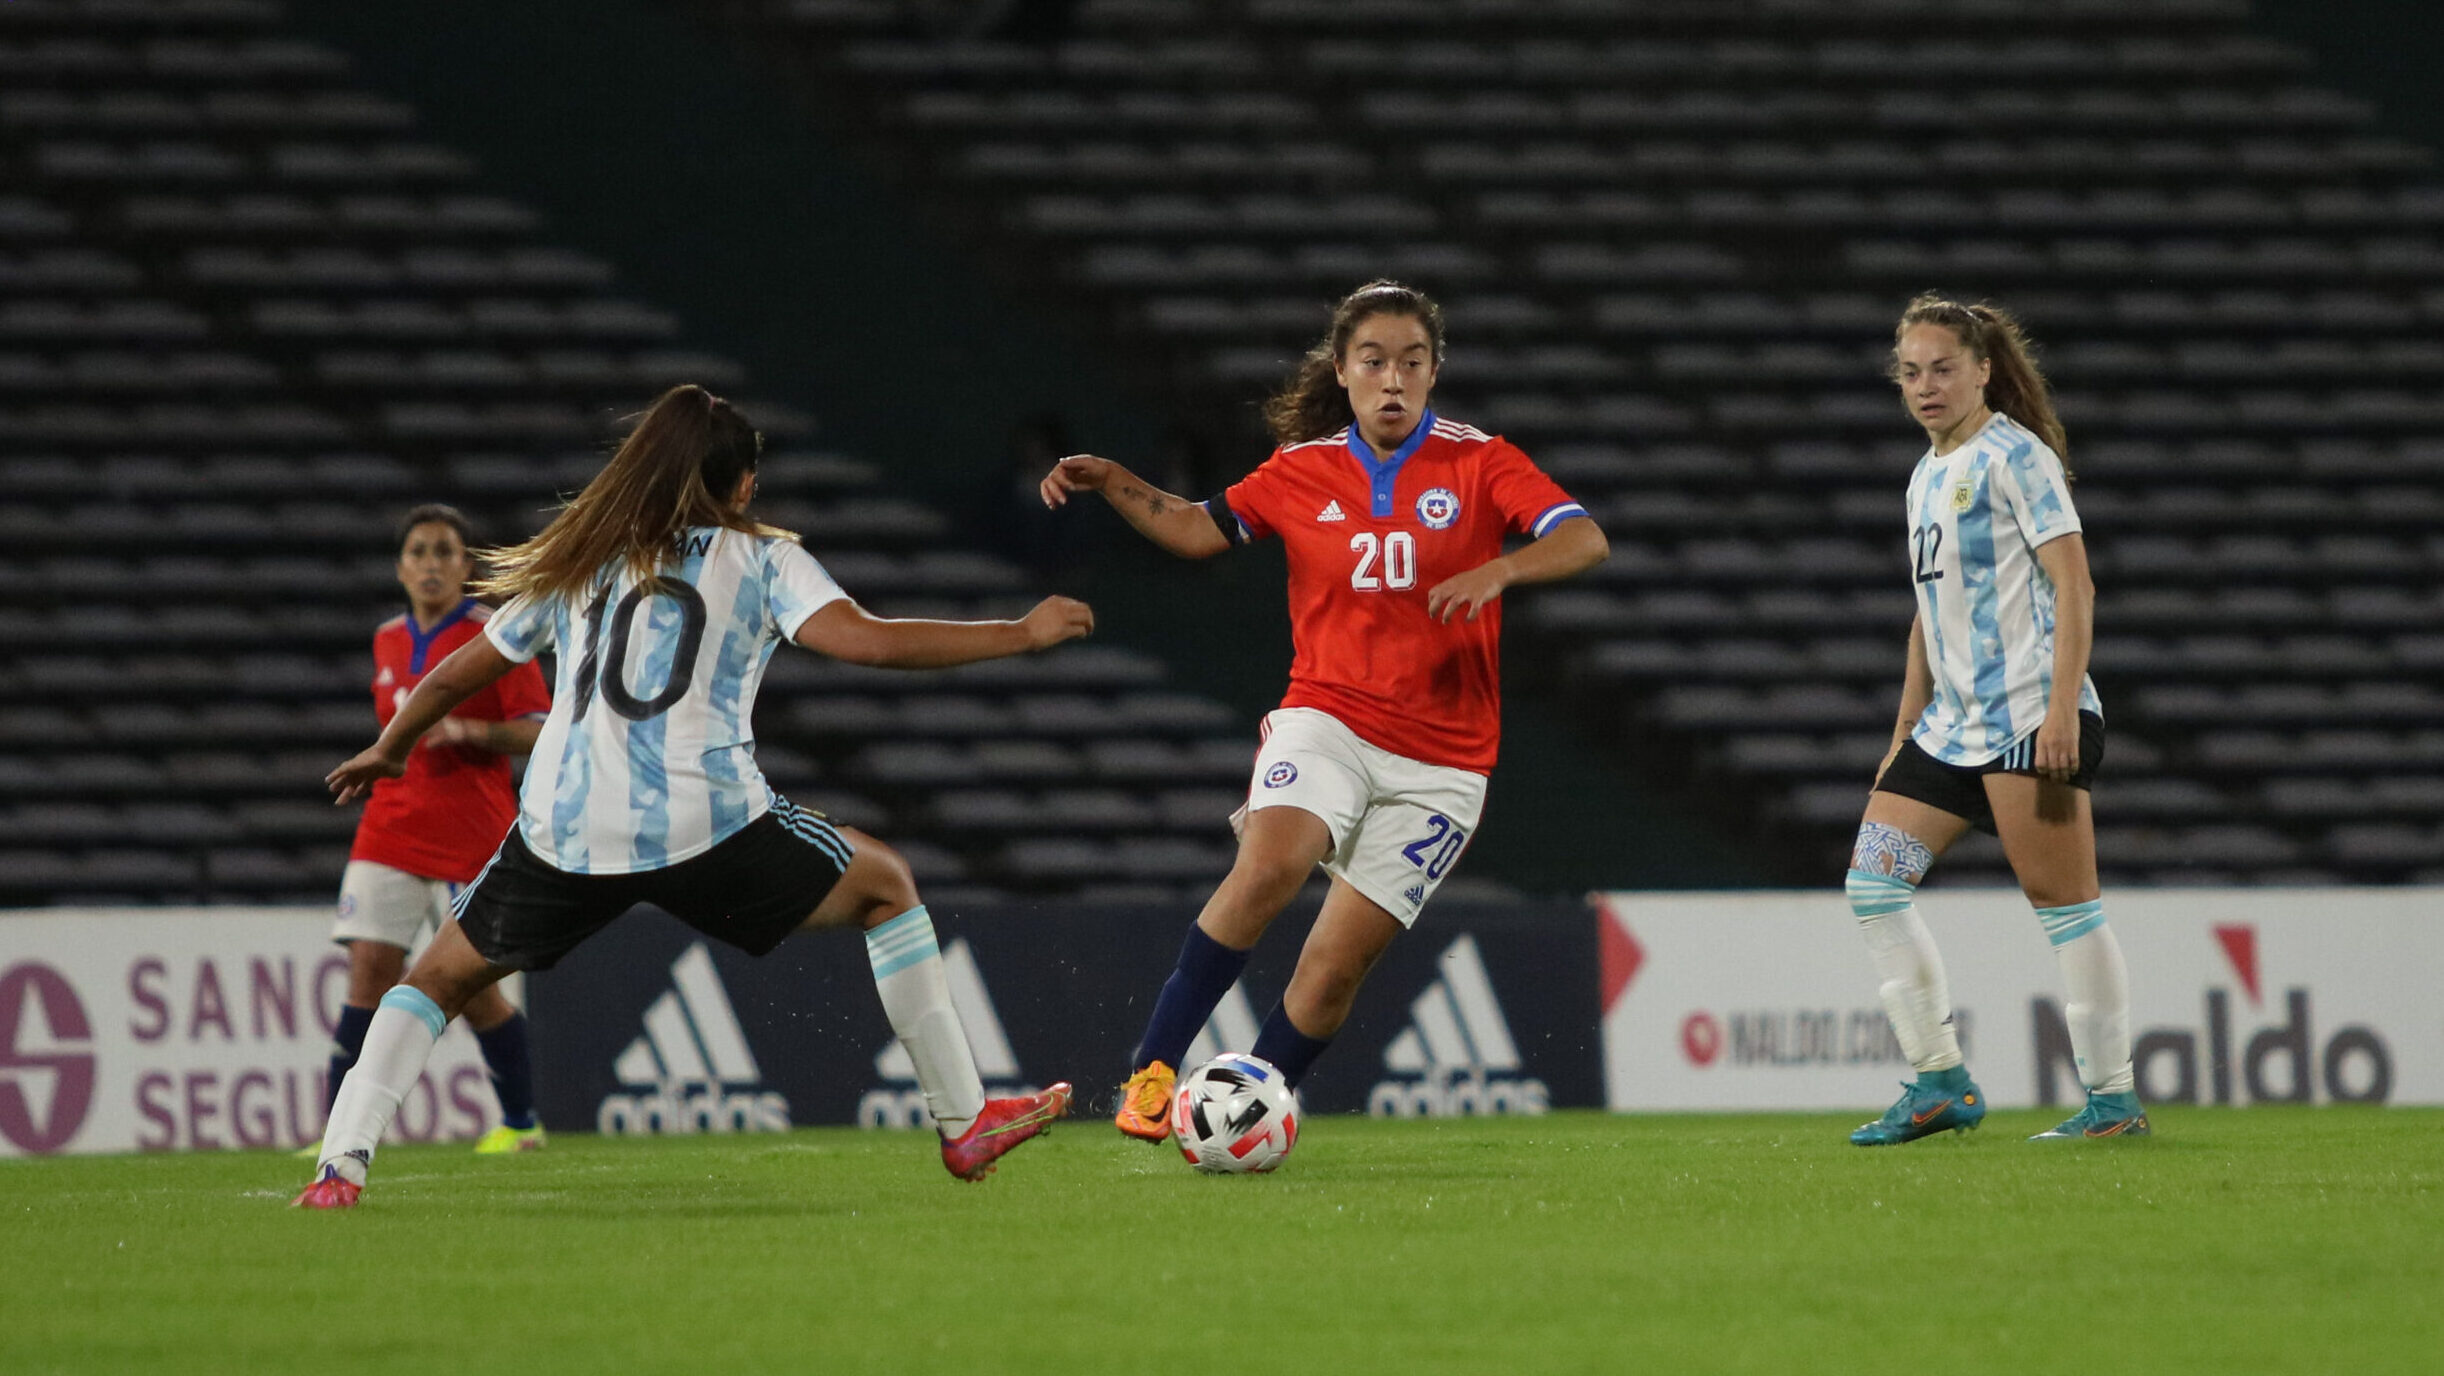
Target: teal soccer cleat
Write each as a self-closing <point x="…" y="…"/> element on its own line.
<point x="2106" y="1115"/>
<point x="1947" y="1101"/>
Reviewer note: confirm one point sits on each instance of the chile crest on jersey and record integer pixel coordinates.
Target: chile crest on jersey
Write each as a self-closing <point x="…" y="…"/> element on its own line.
<point x="1438" y="507"/>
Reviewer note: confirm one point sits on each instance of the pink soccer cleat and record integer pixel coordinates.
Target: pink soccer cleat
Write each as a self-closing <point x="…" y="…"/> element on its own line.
<point x="332" y="1191"/>
<point x="1004" y="1124"/>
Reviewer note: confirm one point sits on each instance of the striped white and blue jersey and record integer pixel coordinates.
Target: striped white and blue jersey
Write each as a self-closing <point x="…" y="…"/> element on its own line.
<point x="1976" y="518"/>
<point x="648" y="757"/>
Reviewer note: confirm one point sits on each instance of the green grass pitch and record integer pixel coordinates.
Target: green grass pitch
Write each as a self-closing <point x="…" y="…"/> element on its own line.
<point x="2264" y="1240"/>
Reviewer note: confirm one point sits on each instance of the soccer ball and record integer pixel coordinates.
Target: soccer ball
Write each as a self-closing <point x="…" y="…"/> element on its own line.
<point x="1235" y="1115"/>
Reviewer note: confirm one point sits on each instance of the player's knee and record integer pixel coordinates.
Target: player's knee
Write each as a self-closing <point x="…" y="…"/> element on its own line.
<point x="1884" y="849"/>
<point x="1876" y="895"/>
<point x="884" y="878"/>
<point x="1266" y="878"/>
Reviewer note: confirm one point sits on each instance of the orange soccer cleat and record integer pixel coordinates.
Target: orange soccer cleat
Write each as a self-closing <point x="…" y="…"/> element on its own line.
<point x="1145" y="1103"/>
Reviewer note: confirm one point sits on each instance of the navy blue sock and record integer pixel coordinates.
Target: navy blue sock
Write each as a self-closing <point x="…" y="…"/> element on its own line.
<point x="1290" y="1050"/>
<point x="512" y="1080"/>
<point x="347" y="1041"/>
<point x="1206" y="971"/>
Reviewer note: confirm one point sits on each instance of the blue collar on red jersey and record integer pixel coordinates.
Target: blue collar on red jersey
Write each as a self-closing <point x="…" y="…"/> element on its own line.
<point x="1385" y="472"/>
<point x="419" y="642"/>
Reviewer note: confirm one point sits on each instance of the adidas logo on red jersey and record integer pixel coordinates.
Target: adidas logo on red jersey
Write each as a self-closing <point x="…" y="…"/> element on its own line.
<point x="1331" y="512"/>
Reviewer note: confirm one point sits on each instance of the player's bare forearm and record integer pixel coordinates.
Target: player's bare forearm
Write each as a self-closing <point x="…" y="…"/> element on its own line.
<point x="1178" y="525"/>
<point x="1566" y="551"/>
<point x="847" y="632"/>
<point x="1917" y="690"/>
<point x="1917" y="680"/>
<point x="470" y="669"/>
<point x="498" y="737"/>
<point x="1569" y="549"/>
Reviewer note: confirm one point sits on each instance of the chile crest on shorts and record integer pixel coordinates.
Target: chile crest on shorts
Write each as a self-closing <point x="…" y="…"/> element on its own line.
<point x="1438" y="507"/>
<point x="1281" y="773"/>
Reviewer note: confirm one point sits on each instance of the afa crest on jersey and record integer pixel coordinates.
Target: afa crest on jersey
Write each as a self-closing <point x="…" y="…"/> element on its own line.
<point x="1438" y="507"/>
<point x="1962" y="497"/>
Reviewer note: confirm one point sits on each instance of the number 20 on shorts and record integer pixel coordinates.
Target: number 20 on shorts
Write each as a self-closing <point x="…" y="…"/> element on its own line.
<point x="1434" y="851"/>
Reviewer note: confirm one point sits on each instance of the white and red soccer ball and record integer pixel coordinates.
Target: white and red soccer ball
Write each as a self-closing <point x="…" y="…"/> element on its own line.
<point x="1234" y="1115"/>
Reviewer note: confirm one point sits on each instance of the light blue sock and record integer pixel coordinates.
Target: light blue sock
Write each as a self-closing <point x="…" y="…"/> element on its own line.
<point x="397" y="1045"/>
<point x="2096" y="994"/>
<point x="915" y="990"/>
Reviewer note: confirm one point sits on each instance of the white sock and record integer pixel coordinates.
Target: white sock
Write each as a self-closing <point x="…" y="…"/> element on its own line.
<point x="398" y="1043"/>
<point x="2097" y="989"/>
<point x="1916" y="995"/>
<point x="916" y="998"/>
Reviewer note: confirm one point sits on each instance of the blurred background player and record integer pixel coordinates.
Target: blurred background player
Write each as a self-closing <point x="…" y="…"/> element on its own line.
<point x="1374" y="766"/>
<point x="665" y="601"/>
<point x="431" y="829"/>
<point x="1999" y="727"/>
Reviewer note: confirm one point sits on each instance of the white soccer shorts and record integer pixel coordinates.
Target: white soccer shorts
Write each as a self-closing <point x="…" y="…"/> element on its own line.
<point x="1398" y="826"/>
<point x="379" y="903"/>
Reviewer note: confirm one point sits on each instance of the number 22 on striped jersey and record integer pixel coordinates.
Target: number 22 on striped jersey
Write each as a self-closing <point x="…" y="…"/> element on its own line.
<point x="1398" y="553"/>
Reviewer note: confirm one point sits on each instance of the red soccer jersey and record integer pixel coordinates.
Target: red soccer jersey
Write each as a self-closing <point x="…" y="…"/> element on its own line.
<point x="447" y="814"/>
<point x="1366" y="542"/>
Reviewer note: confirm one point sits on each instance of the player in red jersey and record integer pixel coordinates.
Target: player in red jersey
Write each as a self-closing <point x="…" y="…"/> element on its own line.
<point x="1374" y="766"/>
<point x="430" y="831"/>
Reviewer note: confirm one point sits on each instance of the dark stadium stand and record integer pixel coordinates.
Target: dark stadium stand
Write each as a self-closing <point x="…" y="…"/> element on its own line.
<point x="246" y="318"/>
<point x="1673" y="239"/>
<point x="247" y="314"/>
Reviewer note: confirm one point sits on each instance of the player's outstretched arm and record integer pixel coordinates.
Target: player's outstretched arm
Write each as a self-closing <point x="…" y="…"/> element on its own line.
<point x="499" y="737"/>
<point x="469" y="670"/>
<point x="848" y="632"/>
<point x="1567" y="550"/>
<point x="1180" y="526"/>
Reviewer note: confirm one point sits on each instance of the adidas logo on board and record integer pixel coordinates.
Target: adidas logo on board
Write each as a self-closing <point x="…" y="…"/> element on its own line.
<point x="1456" y="1056"/>
<point x="692" y="1066"/>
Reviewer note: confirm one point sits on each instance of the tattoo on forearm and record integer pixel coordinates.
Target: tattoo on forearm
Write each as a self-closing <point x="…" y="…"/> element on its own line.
<point x="1155" y="505"/>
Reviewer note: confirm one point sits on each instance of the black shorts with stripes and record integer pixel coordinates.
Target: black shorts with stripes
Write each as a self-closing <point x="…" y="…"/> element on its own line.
<point x="751" y="891"/>
<point x="1960" y="789"/>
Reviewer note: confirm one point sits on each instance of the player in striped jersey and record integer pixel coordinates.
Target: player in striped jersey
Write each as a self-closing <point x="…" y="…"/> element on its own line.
<point x="665" y="601"/>
<point x="426" y="833"/>
<point x="1374" y="767"/>
<point x="2000" y="728"/>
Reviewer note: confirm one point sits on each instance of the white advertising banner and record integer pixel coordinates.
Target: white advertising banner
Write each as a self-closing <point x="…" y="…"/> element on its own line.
<point x="2238" y="996"/>
<point x="154" y="1029"/>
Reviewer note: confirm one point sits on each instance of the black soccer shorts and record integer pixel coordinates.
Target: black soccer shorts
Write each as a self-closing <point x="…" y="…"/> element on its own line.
<point x="1960" y="789"/>
<point x="750" y="891"/>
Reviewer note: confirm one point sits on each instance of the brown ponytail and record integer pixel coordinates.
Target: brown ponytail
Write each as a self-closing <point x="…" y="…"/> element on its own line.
<point x="675" y="470"/>
<point x="2017" y="386"/>
<point x="1313" y="403"/>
